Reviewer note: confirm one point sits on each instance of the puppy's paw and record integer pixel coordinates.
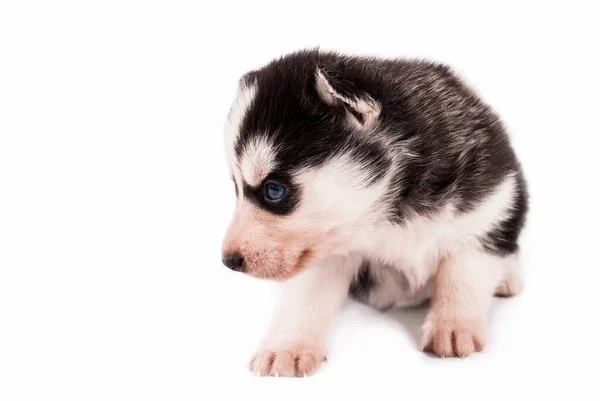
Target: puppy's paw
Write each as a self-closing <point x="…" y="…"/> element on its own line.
<point x="452" y="337"/>
<point x="294" y="361"/>
<point x="510" y="286"/>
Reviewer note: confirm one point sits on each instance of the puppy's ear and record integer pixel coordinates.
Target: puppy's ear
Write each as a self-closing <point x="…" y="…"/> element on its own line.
<point x="248" y="79"/>
<point x="362" y="110"/>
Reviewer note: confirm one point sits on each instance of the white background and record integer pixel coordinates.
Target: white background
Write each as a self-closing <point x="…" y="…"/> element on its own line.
<point x="114" y="197"/>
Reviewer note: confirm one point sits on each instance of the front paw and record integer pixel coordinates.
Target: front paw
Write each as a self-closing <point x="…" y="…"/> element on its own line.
<point x="452" y="337"/>
<point x="298" y="361"/>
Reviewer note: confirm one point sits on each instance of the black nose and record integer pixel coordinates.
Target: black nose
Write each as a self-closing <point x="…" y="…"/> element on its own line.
<point x="234" y="262"/>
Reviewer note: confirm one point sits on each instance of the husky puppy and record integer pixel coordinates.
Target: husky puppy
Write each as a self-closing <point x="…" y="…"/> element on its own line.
<point x="387" y="180"/>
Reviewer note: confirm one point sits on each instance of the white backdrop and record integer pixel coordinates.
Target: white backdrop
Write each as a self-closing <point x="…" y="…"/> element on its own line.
<point x="114" y="197"/>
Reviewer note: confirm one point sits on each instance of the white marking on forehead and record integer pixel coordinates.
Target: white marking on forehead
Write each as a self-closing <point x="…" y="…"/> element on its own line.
<point x="237" y="113"/>
<point x="258" y="160"/>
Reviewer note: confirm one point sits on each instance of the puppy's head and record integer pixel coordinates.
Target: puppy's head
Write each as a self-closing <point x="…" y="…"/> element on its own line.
<point x="304" y="168"/>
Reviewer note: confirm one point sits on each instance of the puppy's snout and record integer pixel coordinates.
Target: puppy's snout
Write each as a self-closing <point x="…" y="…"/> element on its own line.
<point x="234" y="261"/>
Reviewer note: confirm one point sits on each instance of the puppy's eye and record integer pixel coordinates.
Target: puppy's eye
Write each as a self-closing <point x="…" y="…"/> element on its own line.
<point x="274" y="192"/>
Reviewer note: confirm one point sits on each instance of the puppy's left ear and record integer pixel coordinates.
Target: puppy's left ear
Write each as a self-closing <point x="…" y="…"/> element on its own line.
<point x="362" y="111"/>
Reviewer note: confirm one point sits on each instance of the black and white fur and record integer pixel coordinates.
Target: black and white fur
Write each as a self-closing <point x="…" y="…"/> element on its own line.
<point x="401" y="186"/>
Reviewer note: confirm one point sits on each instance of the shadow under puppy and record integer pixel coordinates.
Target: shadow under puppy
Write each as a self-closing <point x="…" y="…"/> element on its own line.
<point x="388" y="180"/>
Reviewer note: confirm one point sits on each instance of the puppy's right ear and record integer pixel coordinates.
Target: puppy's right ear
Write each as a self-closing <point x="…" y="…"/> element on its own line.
<point x="362" y="111"/>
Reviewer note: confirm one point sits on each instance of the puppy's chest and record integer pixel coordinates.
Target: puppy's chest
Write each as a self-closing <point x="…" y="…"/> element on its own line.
<point x="413" y="249"/>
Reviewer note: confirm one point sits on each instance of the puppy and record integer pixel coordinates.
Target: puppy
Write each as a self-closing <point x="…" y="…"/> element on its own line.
<point x="387" y="180"/>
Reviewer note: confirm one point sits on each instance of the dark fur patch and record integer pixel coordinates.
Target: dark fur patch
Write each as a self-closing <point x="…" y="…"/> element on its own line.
<point x="364" y="282"/>
<point x="288" y="111"/>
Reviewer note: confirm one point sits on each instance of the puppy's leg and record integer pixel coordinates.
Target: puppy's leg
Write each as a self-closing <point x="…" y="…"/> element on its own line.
<point x="295" y="343"/>
<point x="464" y="287"/>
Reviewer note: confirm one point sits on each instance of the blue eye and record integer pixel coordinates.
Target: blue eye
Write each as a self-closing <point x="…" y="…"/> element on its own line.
<point x="274" y="192"/>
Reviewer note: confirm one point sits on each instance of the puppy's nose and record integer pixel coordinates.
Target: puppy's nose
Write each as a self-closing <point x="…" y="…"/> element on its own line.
<point x="234" y="261"/>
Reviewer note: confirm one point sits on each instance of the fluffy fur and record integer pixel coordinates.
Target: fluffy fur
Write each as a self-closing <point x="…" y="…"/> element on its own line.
<point x="400" y="186"/>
